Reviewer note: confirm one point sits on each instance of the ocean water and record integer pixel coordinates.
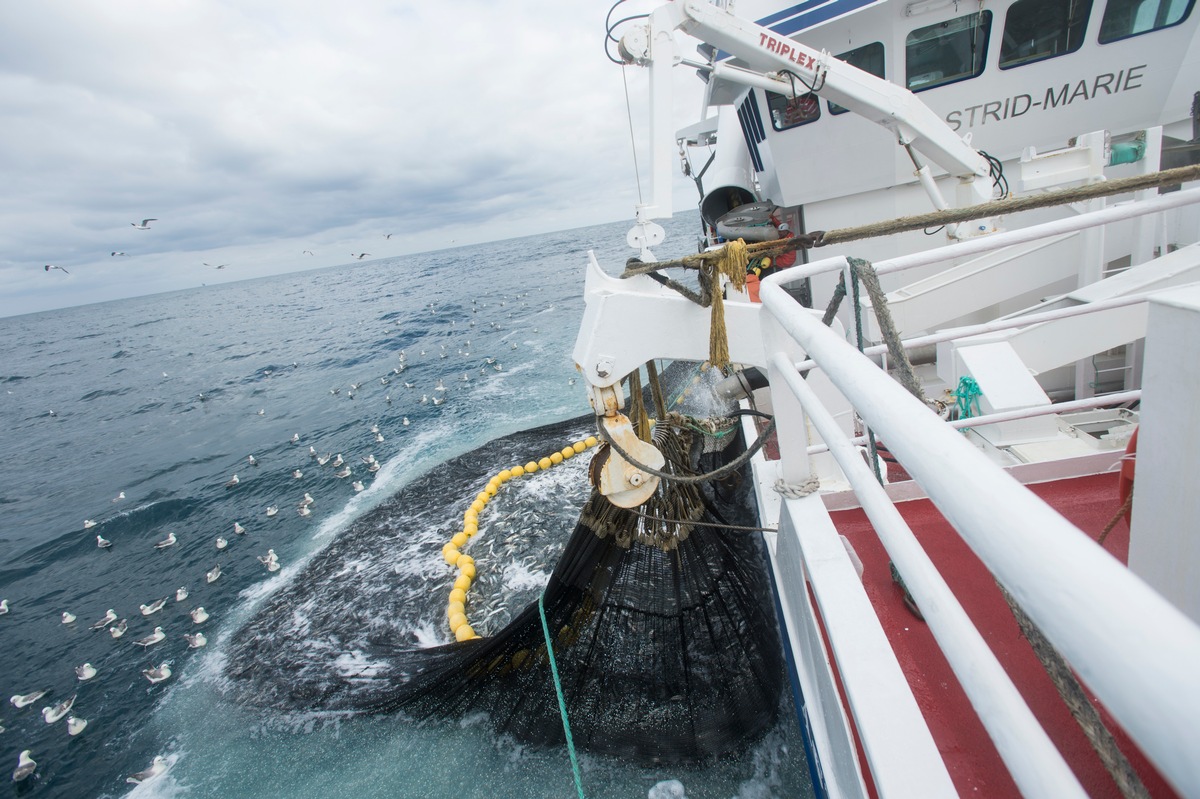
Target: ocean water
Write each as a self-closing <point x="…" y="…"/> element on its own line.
<point x="161" y="400"/>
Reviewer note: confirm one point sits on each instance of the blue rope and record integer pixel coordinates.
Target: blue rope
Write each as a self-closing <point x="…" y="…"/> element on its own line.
<point x="562" y="702"/>
<point x="967" y="398"/>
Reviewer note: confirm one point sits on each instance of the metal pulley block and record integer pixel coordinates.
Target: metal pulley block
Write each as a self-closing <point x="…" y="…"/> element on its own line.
<point x="624" y="484"/>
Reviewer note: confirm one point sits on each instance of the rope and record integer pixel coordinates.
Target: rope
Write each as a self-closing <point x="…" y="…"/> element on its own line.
<point x="562" y="702"/>
<point x="1077" y="702"/>
<point x="967" y="395"/>
<point x="1125" y="506"/>
<point x="687" y="479"/>
<point x="720" y="525"/>
<point x="1166" y="177"/>
<point x="797" y="490"/>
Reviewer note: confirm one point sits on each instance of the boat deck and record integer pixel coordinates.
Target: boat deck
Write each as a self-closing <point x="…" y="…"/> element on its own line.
<point x="972" y="760"/>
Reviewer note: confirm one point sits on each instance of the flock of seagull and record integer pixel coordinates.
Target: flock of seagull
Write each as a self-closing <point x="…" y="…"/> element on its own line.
<point x="117" y="626"/>
<point x="145" y="225"/>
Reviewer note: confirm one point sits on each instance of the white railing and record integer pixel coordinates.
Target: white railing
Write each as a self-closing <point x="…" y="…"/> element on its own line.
<point x="1132" y="648"/>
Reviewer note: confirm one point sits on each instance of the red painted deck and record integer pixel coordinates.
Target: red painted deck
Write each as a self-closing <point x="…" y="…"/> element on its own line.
<point x="975" y="766"/>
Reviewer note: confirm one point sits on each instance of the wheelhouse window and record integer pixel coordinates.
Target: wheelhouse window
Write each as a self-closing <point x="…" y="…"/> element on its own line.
<point x="868" y="58"/>
<point x="1035" y="30"/>
<point x="1125" y="18"/>
<point x="787" y="112"/>
<point x="947" y="52"/>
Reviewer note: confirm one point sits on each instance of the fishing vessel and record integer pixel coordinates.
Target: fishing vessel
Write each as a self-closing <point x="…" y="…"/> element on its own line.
<point x="977" y="592"/>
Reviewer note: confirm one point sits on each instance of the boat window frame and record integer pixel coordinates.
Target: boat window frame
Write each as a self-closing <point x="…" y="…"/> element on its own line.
<point x="1189" y="6"/>
<point x="836" y="109"/>
<point x="774" y="99"/>
<point x="985" y="29"/>
<point x="1078" y="29"/>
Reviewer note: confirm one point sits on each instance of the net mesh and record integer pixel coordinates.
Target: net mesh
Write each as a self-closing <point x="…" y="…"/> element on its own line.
<point x="664" y="634"/>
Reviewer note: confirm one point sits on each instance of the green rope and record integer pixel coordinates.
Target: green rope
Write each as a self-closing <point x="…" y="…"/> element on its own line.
<point x="562" y="702"/>
<point x="967" y="395"/>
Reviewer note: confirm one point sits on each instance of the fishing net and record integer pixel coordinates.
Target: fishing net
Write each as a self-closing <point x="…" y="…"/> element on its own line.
<point x="662" y="623"/>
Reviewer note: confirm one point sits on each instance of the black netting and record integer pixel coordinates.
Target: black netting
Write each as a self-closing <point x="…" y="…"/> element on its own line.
<point x="665" y="653"/>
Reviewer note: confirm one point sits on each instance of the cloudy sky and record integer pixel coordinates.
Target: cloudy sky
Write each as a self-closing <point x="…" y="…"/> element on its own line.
<point x="255" y="129"/>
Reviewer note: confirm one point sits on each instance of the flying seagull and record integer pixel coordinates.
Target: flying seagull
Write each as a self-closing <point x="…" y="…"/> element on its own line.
<point x="306" y="252"/>
<point x="359" y="255"/>
<point x="145" y="224"/>
<point x="48" y="267"/>
<point x="118" y="252"/>
<point x="216" y="266"/>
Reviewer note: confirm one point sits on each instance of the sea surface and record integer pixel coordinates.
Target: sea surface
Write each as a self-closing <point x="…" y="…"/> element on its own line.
<point x="137" y="414"/>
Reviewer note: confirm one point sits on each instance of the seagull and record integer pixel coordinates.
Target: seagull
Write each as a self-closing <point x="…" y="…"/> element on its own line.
<point x="169" y="541"/>
<point x="303" y="510"/>
<point x="373" y="467"/>
<point x="337" y="461"/>
<point x="158" y="674"/>
<point x="232" y="482"/>
<point x="214" y="574"/>
<point x="53" y="714"/>
<point x="195" y="641"/>
<point x="268" y="558"/>
<point x="118" y="629"/>
<point x="436" y="401"/>
<point x="323" y="459"/>
<point x="103" y="542"/>
<point x="359" y="255"/>
<point x="21" y="700"/>
<point x="145" y="224"/>
<point x="25" y="766"/>
<point x="68" y="617"/>
<point x="357" y="485"/>
<point x="181" y="594"/>
<point x="221" y="543"/>
<point x="120" y="496"/>
<point x="237" y="528"/>
<point x="85" y="672"/>
<point x="48" y="267"/>
<point x="153" y="607"/>
<point x="343" y="472"/>
<point x="272" y="510"/>
<point x="306" y="252"/>
<point x="253" y="461"/>
<point x="157" y="767"/>
<point x="109" y="617"/>
<point x="88" y="524"/>
<point x="118" y="252"/>
<point x="199" y="615"/>
<point x="387" y="235"/>
<point x="379" y="438"/>
<point x="297" y="474"/>
<point x="152" y="639"/>
<point x="75" y="725"/>
<point x="3" y="606"/>
<point x="405" y="421"/>
<point x="308" y="500"/>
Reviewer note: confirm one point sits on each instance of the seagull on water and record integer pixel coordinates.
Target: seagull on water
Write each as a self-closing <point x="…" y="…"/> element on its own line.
<point x="85" y="672"/>
<point x="157" y="674"/>
<point x="195" y="641"/>
<point x="103" y="542"/>
<point x="22" y="700"/>
<point x="153" y="607"/>
<point x="88" y="524"/>
<point x="48" y="267"/>
<point x="237" y="528"/>
<point x="53" y="714"/>
<point x="120" y="496"/>
<point x="169" y="541"/>
<point x="221" y="543"/>
<point x="343" y="472"/>
<point x="158" y="766"/>
<point x="145" y="224"/>
<point x="308" y="500"/>
<point x="199" y="615"/>
<point x="232" y="482"/>
<point x="118" y="629"/>
<point x="303" y="510"/>
<point x="75" y="725"/>
<point x="323" y="459"/>
<point x="253" y="461"/>
<point x="68" y="617"/>
<point x="109" y="617"/>
<point x="152" y="639"/>
<point x="297" y="474"/>
<point x="3" y="606"/>
<point x="405" y="421"/>
<point x="181" y="594"/>
<point x="269" y="559"/>
<point x="25" y="766"/>
<point x="214" y="574"/>
<point x="272" y="510"/>
<point x="357" y="485"/>
<point x="337" y="460"/>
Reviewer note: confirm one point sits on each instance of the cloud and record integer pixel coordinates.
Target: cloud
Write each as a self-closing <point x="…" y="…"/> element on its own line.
<point x="249" y="127"/>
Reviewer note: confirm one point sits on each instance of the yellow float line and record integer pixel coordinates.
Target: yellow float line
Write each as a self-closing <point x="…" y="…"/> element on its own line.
<point x="456" y="612"/>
